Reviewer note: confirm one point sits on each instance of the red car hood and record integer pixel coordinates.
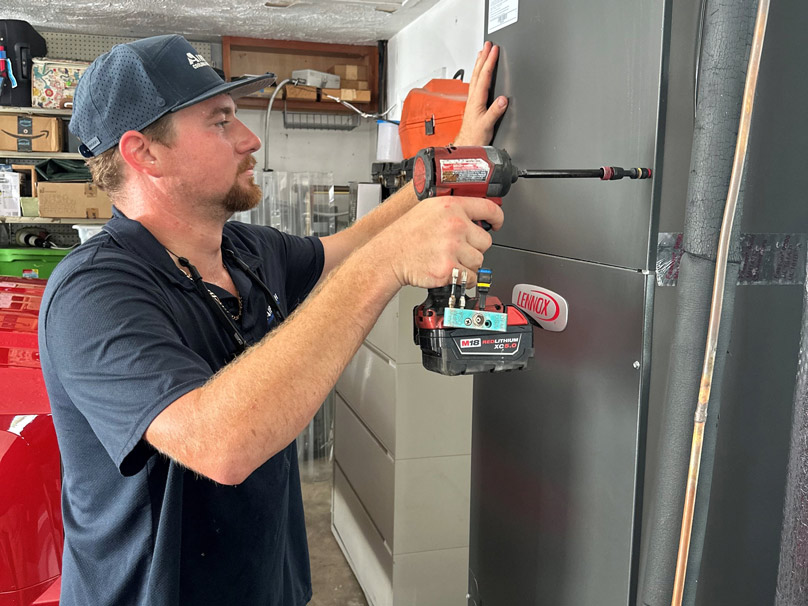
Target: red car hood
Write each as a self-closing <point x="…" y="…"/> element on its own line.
<point x="23" y="389"/>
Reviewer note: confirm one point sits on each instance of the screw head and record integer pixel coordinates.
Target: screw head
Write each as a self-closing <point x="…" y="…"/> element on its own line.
<point x="636" y="364"/>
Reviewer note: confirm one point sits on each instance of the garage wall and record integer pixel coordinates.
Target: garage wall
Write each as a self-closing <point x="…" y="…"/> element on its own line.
<point x="444" y="39"/>
<point x="347" y="154"/>
<point x="441" y="41"/>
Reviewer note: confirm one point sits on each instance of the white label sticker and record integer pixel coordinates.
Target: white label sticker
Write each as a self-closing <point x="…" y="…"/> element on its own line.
<point x="464" y="170"/>
<point x="502" y="13"/>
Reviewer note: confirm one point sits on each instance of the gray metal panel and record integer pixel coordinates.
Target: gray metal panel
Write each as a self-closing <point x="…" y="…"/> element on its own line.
<point x="554" y="448"/>
<point x="583" y="81"/>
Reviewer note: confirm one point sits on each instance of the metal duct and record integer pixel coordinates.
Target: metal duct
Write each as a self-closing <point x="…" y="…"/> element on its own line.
<point x="727" y="35"/>
<point x="792" y="574"/>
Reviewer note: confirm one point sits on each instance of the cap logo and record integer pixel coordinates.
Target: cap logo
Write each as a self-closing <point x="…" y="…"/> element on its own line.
<point x="196" y="61"/>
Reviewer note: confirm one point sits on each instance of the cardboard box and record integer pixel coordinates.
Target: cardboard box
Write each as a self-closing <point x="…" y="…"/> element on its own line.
<point x="73" y="200"/>
<point x="28" y="179"/>
<point x="19" y="132"/>
<point x="264" y="93"/>
<point x="355" y="84"/>
<point x="347" y="94"/>
<point x="307" y="93"/>
<point x="54" y="83"/>
<point x="350" y="72"/>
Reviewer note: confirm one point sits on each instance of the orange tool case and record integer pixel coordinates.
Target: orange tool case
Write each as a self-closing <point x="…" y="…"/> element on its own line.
<point x="432" y="115"/>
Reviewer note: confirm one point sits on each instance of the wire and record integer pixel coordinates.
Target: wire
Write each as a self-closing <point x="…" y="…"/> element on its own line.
<point x="357" y="110"/>
<point x="281" y="84"/>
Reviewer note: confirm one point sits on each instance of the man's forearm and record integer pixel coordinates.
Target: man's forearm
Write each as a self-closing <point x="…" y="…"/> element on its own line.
<point x="255" y="406"/>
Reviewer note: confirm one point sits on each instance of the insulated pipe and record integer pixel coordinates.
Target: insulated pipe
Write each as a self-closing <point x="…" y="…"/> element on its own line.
<point x="719" y="283"/>
<point x="792" y="573"/>
<point x="727" y="35"/>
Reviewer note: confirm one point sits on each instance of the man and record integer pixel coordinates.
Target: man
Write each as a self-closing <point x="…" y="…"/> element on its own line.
<point x="176" y="412"/>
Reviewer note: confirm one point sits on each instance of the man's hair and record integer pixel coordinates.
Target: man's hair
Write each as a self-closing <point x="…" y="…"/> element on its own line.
<point x="107" y="168"/>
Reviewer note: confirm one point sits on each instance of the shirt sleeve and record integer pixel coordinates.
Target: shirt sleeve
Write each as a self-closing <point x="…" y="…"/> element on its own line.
<point x="304" y="266"/>
<point x="117" y="354"/>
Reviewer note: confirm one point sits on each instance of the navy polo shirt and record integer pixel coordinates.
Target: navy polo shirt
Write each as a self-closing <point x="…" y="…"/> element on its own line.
<point x="123" y="333"/>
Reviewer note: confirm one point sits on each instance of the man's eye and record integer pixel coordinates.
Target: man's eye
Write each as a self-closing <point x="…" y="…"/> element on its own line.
<point x="223" y="123"/>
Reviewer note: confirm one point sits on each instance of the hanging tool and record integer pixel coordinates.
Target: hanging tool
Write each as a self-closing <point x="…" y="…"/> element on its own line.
<point x="459" y="336"/>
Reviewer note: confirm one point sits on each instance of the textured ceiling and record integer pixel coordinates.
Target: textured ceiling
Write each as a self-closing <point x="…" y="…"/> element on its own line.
<point x="336" y="21"/>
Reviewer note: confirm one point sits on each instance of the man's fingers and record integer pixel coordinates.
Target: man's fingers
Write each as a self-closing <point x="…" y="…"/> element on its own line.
<point x="483" y="71"/>
<point x="470" y="257"/>
<point x="481" y="209"/>
<point x="496" y="111"/>
<point x="478" y="65"/>
<point x="480" y="239"/>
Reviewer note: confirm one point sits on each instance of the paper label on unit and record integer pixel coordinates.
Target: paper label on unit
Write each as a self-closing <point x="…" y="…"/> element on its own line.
<point x="464" y="170"/>
<point x="547" y="308"/>
<point x="502" y="13"/>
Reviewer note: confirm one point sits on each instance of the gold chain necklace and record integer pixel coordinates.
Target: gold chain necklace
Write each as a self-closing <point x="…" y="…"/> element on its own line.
<point x="212" y="294"/>
<point x="236" y="317"/>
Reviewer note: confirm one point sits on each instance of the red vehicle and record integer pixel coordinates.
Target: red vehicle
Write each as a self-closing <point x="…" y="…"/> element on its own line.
<point x="31" y="534"/>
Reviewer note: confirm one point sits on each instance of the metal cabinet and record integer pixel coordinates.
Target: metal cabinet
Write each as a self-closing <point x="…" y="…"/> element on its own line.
<point x="402" y="451"/>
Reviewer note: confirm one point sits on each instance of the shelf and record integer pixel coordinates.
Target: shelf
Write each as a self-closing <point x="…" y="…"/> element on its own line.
<point x="41" y="155"/>
<point x="36" y="111"/>
<point x="65" y="221"/>
<point x="256" y="56"/>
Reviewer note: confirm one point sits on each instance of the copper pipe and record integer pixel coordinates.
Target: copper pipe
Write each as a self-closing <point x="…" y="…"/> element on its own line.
<point x="718" y="298"/>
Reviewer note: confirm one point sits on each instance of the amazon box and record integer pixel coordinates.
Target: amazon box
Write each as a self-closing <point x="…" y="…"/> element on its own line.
<point x="19" y="132"/>
<point x="73" y="200"/>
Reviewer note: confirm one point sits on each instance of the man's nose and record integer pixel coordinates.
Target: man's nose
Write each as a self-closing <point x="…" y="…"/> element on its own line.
<point x="248" y="140"/>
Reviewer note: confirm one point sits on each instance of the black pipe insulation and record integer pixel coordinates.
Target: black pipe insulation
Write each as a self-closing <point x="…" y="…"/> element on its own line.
<point x="792" y="573"/>
<point x="727" y="36"/>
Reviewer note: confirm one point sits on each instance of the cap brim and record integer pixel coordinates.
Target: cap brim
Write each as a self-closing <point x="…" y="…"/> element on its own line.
<point x="236" y="89"/>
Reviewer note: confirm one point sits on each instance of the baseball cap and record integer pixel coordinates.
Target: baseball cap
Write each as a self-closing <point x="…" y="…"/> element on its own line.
<point x="136" y="83"/>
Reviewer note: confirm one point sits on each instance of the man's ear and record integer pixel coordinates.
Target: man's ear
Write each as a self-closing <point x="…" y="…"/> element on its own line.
<point x="137" y="150"/>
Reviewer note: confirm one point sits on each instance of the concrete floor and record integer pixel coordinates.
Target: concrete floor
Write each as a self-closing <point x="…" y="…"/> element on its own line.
<point x="333" y="582"/>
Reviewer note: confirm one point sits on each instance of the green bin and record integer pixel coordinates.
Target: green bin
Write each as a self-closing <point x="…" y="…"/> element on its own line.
<point x="29" y="262"/>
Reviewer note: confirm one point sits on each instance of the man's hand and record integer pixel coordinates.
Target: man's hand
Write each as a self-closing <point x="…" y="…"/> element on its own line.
<point x="439" y="234"/>
<point x="479" y="120"/>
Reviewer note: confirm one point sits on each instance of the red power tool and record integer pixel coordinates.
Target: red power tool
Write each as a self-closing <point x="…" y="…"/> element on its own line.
<point x="459" y="336"/>
<point x="487" y="172"/>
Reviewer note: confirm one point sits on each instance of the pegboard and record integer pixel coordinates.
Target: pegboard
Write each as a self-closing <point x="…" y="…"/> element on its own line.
<point x="86" y="47"/>
<point x="63" y="235"/>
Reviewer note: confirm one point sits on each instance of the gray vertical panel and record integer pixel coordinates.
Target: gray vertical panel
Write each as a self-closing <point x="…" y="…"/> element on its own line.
<point x="740" y="559"/>
<point x="554" y="448"/>
<point x="583" y="80"/>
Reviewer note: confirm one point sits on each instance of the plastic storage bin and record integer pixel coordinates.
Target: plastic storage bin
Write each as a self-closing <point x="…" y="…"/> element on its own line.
<point x="87" y="231"/>
<point x="29" y="262"/>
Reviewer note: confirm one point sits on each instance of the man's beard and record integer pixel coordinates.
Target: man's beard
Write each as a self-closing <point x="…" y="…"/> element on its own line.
<point x="240" y="197"/>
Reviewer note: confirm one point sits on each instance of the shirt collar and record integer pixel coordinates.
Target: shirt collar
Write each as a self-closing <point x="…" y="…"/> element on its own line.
<point x="134" y="237"/>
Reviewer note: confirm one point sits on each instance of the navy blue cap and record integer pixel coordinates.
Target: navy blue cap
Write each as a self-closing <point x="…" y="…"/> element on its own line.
<point x="134" y="84"/>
